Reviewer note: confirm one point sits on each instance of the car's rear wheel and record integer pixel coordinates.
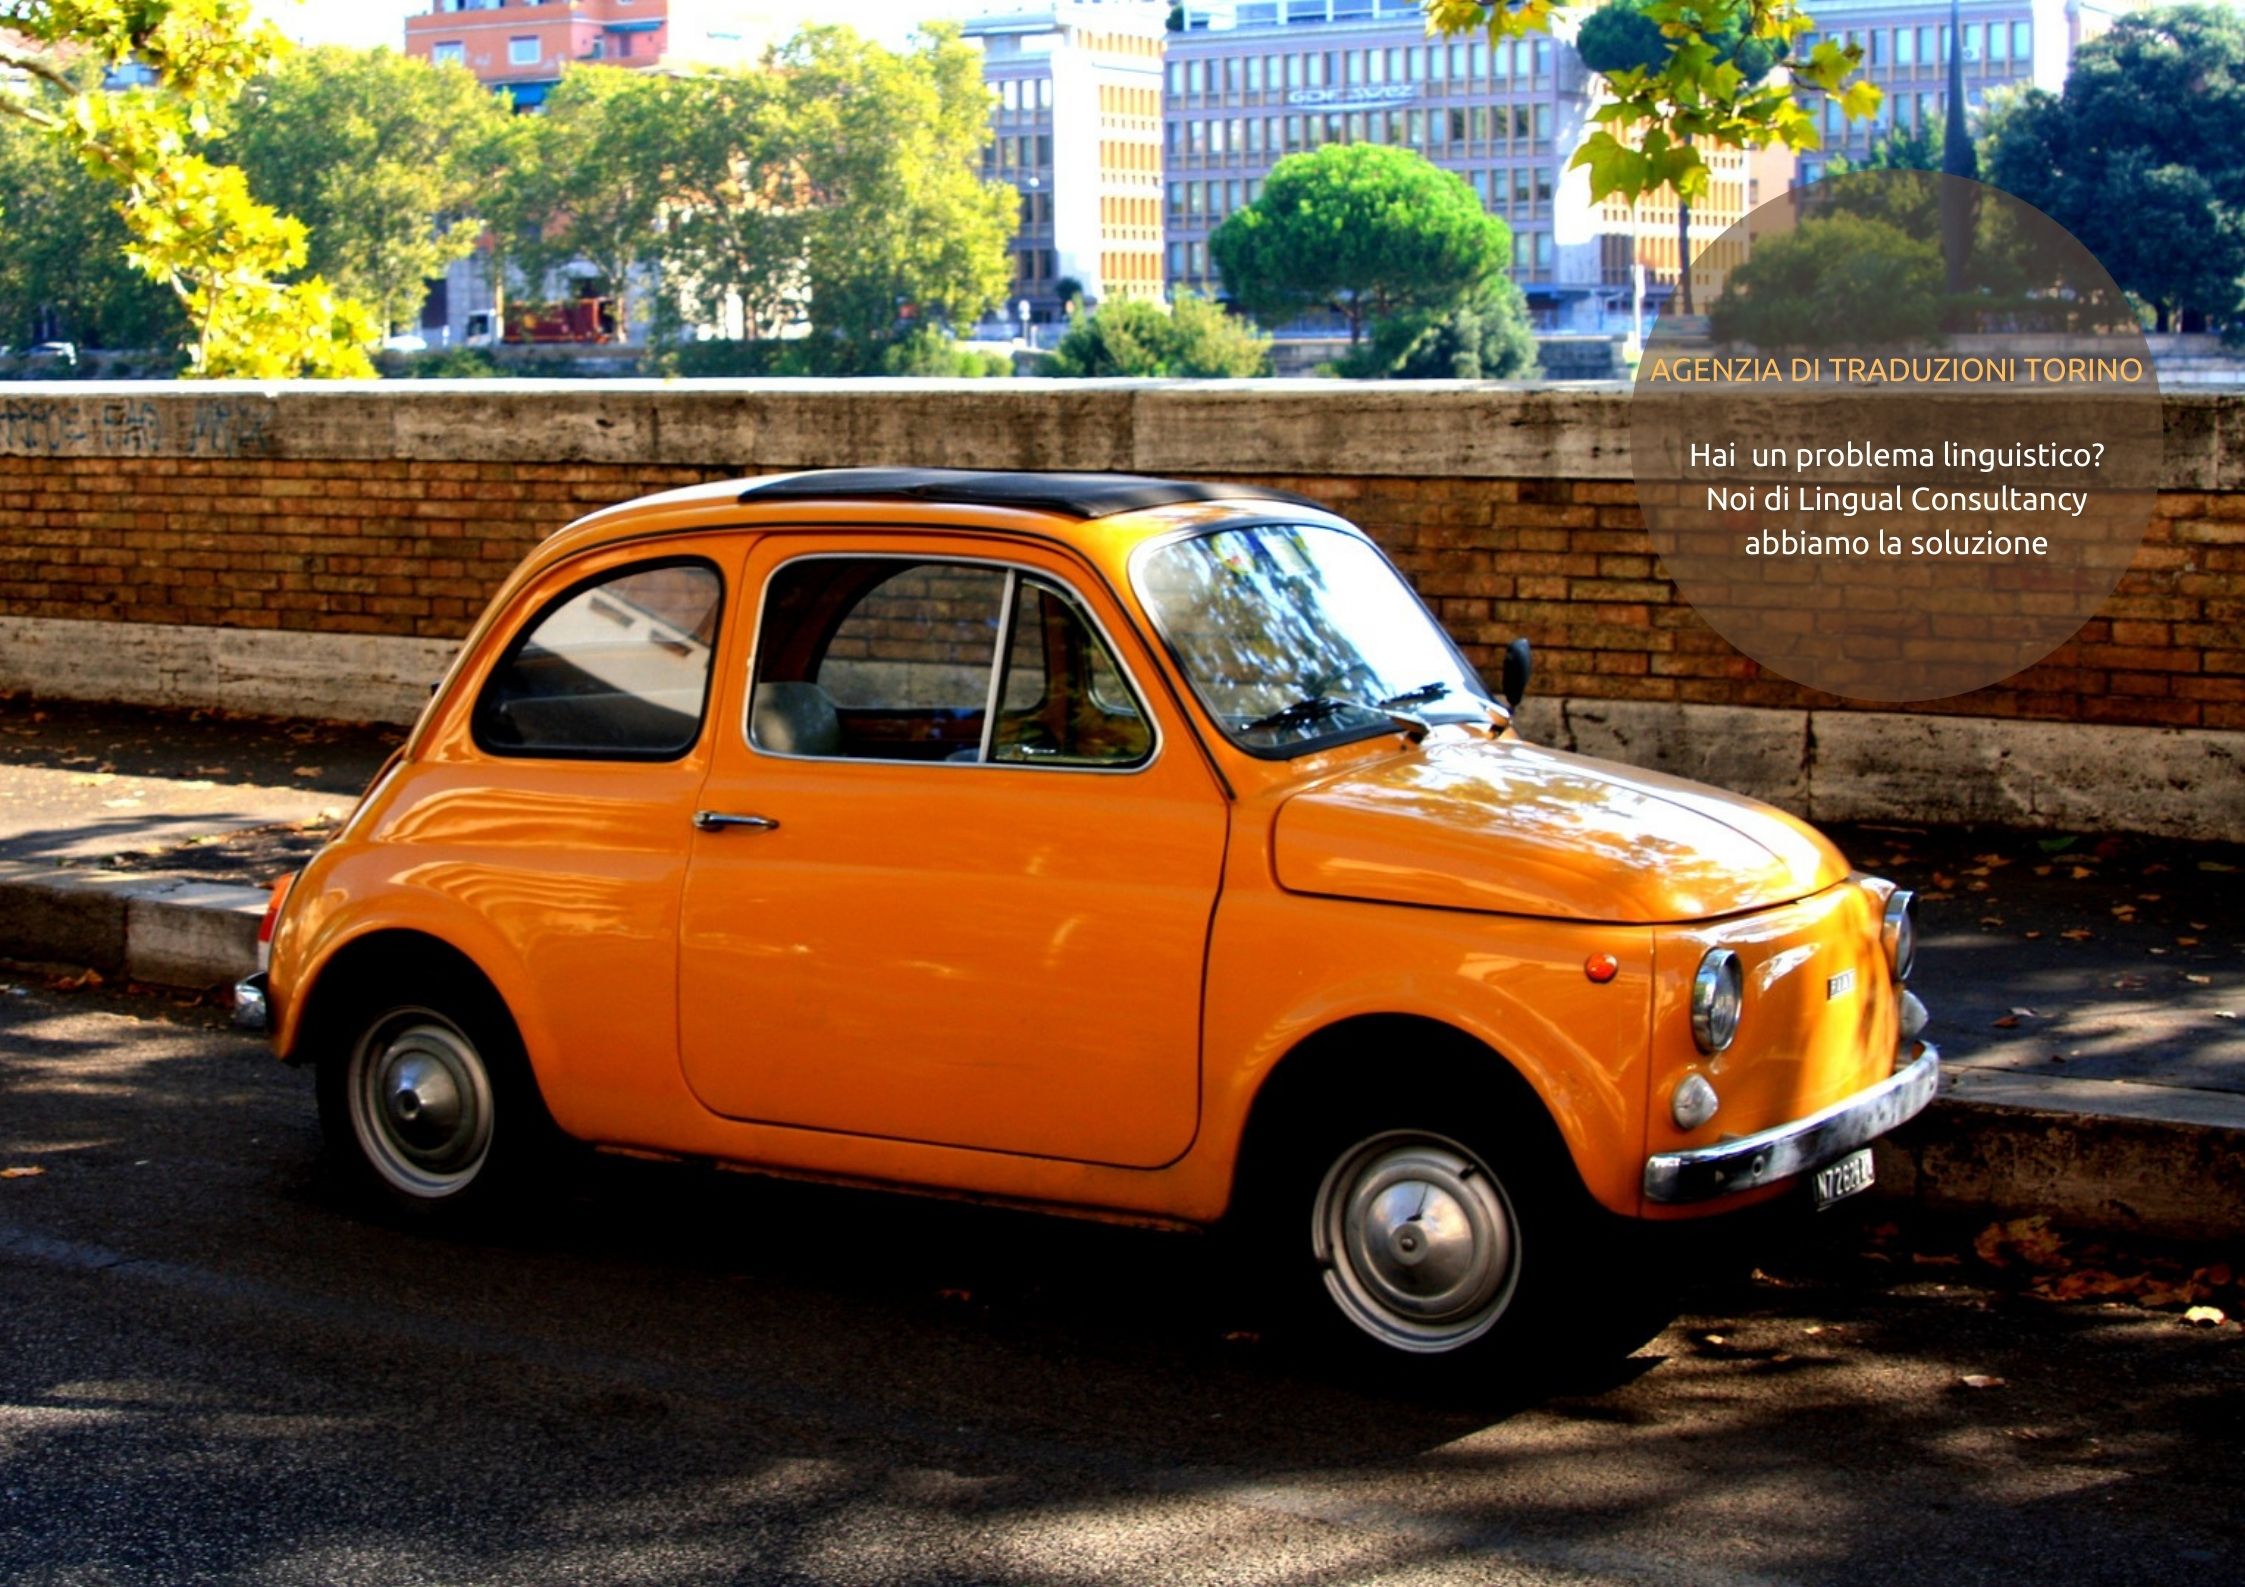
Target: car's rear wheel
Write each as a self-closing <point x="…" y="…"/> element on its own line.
<point x="428" y="1103"/>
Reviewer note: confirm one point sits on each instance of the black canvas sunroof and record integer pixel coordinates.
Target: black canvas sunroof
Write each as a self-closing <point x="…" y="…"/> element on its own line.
<point x="1079" y="495"/>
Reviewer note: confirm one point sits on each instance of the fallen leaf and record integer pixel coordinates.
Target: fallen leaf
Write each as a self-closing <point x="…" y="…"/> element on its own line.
<point x="2030" y="935"/>
<point x="21" y="1173"/>
<point x="2028" y="1240"/>
<point x="2078" y="934"/>
<point x="2198" y="925"/>
<point x="2216" y="866"/>
<point x="2196" y="1317"/>
<point x="1997" y="861"/>
<point x="2082" y="873"/>
<point x="1991" y="920"/>
<point x="1980" y="1380"/>
<point x="2198" y="980"/>
<point x="2056" y="845"/>
<point x="2006" y="1022"/>
<point x="954" y="1294"/>
<point x="1243" y="1336"/>
<point x="2026" y="1013"/>
<point x="2186" y="942"/>
<point x="310" y="771"/>
<point x="76" y="983"/>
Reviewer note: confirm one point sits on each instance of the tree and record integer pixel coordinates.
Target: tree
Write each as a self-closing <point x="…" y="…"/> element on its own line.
<point x="2140" y="158"/>
<point x="381" y="156"/>
<point x="1194" y="340"/>
<point x="1836" y="279"/>
<point x="192" y="224"/>
<point x="734" y="225"/>
<point x="1706" y="91"/>
<point x="901" y="230"/>
<point x="1619" y="37"/>
<point x="66" y="278"/>
<point x="1484" y="338"/>
<point x="588" y="180"/>
<point x="1366" y="230"/>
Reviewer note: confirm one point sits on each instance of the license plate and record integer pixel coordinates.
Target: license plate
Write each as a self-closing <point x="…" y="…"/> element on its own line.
<point x="1843" y="1178"/>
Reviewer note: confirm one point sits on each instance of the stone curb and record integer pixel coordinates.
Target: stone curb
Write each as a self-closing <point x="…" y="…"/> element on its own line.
<point x="2158" y="1176"/>
<point x="141" y="925"/>
<point x="2137" y="1159"/>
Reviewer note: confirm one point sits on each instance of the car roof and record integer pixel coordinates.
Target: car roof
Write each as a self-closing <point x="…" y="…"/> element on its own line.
<point x="1075" y="495"/>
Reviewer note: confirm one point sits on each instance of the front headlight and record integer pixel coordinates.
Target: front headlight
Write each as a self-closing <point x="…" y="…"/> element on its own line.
<point x="1718" y="996"/>
<point x="1898" y="933"/>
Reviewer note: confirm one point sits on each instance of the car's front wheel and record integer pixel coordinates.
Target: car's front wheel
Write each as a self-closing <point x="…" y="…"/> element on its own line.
<point x="1418" y="1241"/>
<point x="428" y="1102"/>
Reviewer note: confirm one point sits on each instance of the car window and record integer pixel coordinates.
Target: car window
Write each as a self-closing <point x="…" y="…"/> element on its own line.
<point x="618" y="667"/>
<point x="878" y="658"/>
<point x="1064" y="702"/>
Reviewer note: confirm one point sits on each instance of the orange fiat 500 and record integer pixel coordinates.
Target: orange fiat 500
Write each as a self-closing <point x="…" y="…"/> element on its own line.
<point x="1111" y="845"/>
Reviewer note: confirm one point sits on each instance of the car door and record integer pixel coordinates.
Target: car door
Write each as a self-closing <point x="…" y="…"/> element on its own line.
<point x="958" y="862"/>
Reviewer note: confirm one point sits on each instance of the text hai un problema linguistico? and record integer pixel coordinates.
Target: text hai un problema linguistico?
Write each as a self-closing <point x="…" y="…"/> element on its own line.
<point x="1819" y="501"/>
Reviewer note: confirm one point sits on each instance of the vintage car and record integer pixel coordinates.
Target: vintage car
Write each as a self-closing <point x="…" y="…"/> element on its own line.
<point x="1115" y="846"/>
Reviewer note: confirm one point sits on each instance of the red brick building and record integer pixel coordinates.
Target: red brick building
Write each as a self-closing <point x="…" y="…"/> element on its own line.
<point x="524" y="46"/>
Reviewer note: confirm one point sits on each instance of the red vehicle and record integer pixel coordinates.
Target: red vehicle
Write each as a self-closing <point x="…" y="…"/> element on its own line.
<point x="580" y="320"/>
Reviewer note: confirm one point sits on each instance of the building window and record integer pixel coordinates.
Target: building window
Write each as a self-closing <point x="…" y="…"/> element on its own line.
<point x="2022" y="41"/>
<point x="452" y="53"/>
<point x="1875" y="53"/>
<point x="523" y="52"/>
<point x="1905" y="47"/>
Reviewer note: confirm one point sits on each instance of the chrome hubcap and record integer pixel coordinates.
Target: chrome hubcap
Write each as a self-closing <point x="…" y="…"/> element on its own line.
<point x="1418" y="1241"/>
<point x="421" y="1103"/>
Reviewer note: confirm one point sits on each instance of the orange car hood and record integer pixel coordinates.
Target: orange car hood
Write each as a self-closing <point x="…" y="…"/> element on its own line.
<point x="1514" y="829"/>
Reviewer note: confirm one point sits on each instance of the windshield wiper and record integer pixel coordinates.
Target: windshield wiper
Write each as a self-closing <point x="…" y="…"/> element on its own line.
<point x="1419" y="696"/>
<point x="1318" y="707"/>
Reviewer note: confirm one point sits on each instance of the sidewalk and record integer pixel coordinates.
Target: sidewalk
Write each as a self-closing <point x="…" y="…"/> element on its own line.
<point x="2088" y="991"/>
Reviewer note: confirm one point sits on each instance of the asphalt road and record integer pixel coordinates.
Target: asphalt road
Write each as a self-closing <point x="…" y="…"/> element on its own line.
<point x="211" y="1370"/>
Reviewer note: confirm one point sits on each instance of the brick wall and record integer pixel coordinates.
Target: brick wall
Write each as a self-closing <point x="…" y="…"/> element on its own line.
<point x="396" y="511"/>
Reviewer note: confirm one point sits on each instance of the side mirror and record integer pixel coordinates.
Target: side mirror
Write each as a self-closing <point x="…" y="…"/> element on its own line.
<point x="1518" y="664"/>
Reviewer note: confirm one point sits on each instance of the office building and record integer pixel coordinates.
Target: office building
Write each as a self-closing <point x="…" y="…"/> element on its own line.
<point x="2007" y="44"/>
<point x="1078" y="133"/>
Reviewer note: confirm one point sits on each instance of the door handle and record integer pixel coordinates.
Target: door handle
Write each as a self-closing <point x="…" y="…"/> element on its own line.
<point x="718" y="821"/>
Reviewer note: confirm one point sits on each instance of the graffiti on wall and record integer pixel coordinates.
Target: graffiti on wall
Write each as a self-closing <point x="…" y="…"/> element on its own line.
<point x="134" y="427"/>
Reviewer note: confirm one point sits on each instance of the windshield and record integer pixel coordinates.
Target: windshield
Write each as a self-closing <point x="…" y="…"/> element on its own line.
<point x="1296" y="636"/>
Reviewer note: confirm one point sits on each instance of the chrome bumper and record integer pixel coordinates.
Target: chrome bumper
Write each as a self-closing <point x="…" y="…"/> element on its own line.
<point x="1773" y="1154"/>
<point x="251" y="1009"/>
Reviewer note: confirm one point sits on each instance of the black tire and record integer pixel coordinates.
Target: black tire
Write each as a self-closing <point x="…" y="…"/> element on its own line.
<point x="1427" y="1246"/>
<point x="427" y="1102"/>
